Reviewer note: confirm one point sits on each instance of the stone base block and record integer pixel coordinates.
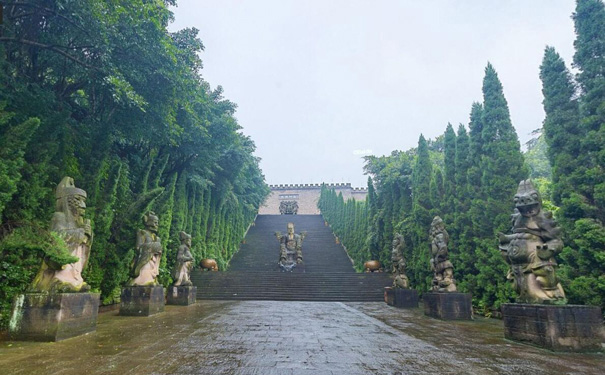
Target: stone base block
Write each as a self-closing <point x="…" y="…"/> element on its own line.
<point x="448" y="306"/>
<point x="181" y="295"/>
<point x="142" y="300"/>
<point x="53" y="317"/>
<point x="570" y="328"/>
<point x="403" y="298"/>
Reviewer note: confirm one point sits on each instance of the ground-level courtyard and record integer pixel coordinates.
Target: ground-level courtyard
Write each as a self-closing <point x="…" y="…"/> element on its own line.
<point x="269" y="337"/>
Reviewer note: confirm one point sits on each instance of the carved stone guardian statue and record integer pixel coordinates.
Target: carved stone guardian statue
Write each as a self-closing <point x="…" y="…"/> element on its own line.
<point x="146" y="264"/>
<point x="444" y="301"/>
<point x="68" y="220"/>
<point x="182" y="292"/>
<point x="143" y="295"/>
<point x="290" y="249"/>
<point x="443" y="280"/>
<point x="400" y="294"/>
<point x="184" y="262"/>
<point x="58" y="305"/>
<point x="541" y="315"/>
<point x="530" y="249"/>
<point x="401" y="280"/>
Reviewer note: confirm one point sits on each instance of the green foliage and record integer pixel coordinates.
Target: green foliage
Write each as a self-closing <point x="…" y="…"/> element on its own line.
<point x="103" y="92"/>
<point x="574" y="130"/>
<point x="21" y="252"/>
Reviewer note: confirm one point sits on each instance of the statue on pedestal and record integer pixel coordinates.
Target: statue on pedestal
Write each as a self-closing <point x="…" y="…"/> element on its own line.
<point x="184" y="262"/>
<point x="68" y="220"/>
<point x="401" y="280"/>
<point x="443" y="281"/>
<point x="290" y="248"/>
<point x="146" y="263"/>
<point x="530" y="249"/>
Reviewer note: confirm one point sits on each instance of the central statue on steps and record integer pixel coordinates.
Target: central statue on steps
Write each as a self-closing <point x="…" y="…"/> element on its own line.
<point x="290" y="248"/>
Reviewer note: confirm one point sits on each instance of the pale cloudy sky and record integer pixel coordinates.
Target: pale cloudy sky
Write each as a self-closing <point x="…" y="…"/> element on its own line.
<point x="320" y="83"/>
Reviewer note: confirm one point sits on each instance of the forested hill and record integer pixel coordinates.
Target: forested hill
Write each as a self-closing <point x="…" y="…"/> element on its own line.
<point x="101" y="91"/>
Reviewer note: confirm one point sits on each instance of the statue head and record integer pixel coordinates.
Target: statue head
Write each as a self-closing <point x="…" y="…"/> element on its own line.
<point x="437" y="226"/>
<point x="151" y="221"/>
<point x="527" y="200"/>
<point x="398" y="240"/>
<point x="70" y="199"/>
<point x="185" y="238"/>
<point x="290" y="228"/>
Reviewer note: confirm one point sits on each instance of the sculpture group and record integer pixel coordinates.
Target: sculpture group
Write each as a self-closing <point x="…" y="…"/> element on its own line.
<point x="58" y="304"/>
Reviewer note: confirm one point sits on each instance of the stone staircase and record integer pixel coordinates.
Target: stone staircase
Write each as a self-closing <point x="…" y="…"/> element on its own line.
<point x="327" y="273"/>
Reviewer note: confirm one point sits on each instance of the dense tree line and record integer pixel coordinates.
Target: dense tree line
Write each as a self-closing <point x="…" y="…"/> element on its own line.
<point x="469" y="177"/>
<point x="103" y="92"/>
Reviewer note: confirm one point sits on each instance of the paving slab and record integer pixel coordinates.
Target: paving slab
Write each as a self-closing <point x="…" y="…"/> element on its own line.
<point x="270" y="337"/>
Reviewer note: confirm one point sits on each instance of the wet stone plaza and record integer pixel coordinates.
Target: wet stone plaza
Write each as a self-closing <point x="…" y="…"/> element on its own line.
<point x="271" y="337"/>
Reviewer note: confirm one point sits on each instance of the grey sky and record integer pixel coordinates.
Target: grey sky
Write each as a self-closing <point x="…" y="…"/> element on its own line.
<point x="318" y="82"/>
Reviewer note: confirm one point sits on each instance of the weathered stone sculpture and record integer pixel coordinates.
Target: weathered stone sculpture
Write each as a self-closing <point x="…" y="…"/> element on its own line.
<point x="400" y="294"/>
<point x="146" y="264"/>
<point x="288" y="207"/>
<point x="184" y="262"/>
<point x="143" y="295"/>
<point x="401" y="280"/>
<point x="443" y="280"/>
<point x="530" y="249"/>
<point x="541" y="316"/>
<point x="68" y="220"/>
<point x="290" y="249"/>
<point x="57" y="305"/>
<point x="182" y="292"/>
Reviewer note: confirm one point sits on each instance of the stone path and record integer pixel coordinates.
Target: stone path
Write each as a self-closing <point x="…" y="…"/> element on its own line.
<point x="268" y="337"/>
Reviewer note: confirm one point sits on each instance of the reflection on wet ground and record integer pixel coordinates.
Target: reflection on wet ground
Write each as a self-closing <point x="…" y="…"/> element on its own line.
<point x="267" y="337"/>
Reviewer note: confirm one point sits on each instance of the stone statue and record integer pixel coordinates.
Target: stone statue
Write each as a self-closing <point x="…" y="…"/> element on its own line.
<point x="531" y="248"/>
<point x="146" y="263"/>
<point x="443" y="281"/>
<point x="184" y="262"/>
<point x="288" y="207"/>
<point x="401" y="280"/>
<point x="290" y="248"/>
<point x="68" y="220"/>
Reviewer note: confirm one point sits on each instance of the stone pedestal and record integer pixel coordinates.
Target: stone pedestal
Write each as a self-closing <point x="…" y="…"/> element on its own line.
<point x="142" y="300"/>
<point x="181" y="295"/>
<point x="53" y="317"/>
<point x="399" y="297"/>
<point x="448" y="306"/>
<point x="570" y="328"/>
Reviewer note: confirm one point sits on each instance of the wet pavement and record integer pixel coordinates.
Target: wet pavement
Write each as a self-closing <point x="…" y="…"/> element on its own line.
<point x="268" y="337"/>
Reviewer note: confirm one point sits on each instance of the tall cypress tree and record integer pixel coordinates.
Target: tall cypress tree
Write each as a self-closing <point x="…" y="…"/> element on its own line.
<point x="418" y="227"/>
<point x="589" y="20"/>
<point x="564" y="135"/>
<point x="449" y="171"/>
<point x="502" y="162"/>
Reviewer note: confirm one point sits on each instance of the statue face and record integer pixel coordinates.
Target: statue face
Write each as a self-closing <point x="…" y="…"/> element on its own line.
<point x="290" y="229"/>
<point x="77" y="204"/>
<point x="152" y="223"/>
<point x="528" y="203"/>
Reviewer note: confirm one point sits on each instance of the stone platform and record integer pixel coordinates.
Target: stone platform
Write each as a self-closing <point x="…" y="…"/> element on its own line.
<point x="403" y="298"/>
<point x="53" y="317"/>
<point x="573" y="328"/>
<point x="448" y="306"/>
<point x="181" y="295"/>
<point x="142" y="300"/>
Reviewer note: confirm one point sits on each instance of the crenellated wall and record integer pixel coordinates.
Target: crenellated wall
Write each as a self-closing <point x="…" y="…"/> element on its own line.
<point x="307" y="196"/>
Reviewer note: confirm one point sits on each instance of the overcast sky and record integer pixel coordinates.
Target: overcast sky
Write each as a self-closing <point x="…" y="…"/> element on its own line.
<point x="321" y="83"/>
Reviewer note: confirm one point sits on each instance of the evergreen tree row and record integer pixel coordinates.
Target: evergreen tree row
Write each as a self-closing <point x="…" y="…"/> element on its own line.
<point x="469" y="177"/>
<point x="103" y="92"/>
